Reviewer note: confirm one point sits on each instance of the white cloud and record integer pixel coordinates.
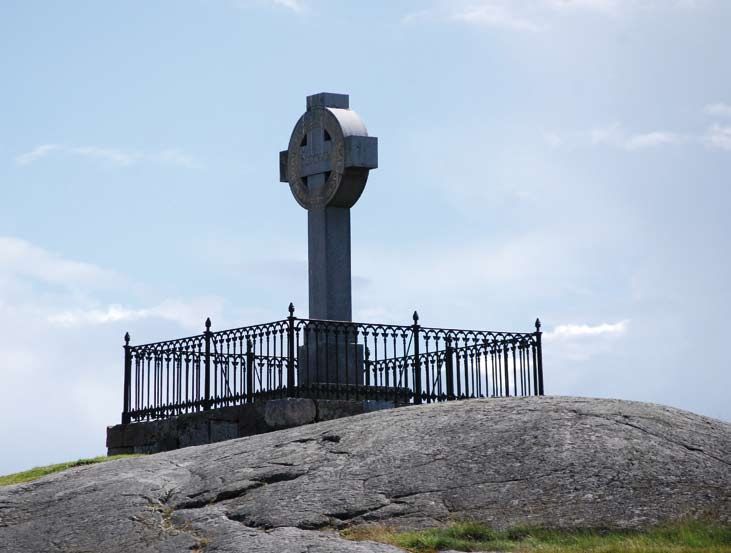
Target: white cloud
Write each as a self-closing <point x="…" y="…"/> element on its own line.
<point x="570" y="343"/>
<point x="553" y="139"/>
<point x="531" y="15"/>
<point x="113" y="313"/>
<point x="607" y="135"/>
<point x="107" y="154"/>
<point x="294" y="5"/>
<point x="605" y="6"/>
<point x="616" y="7"/>
<point x="615" y="136"/>
<point x="653" y="139"/>
<point x="187" y="314"/>
<point x="59" y="332"/>
<point x="720" y="109"/>
<point x="572" y="331"/>
<point x="719" y="136"/>
<point x="175" y="157"/>
<point x="494" y="14"/>
<point x="21" y="259"/>
<point x="41" y="151"/>
<point x="114" y="156"/>
<point x="380" y="314"/>
<point x="28" y="270"/>
<point x="482" y="13"/>
<point x="716" y="136"/>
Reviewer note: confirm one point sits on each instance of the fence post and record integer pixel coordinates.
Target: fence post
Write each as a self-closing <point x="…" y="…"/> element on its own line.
<point x="540" y="357"/>
<point x="207" y="376"/>
<point x="249" y="371"/>
<point x="506" y="349"/>
<point x="367" y="364"/>
<point x="290" y="350"/>
<point x="127" y="401"/>
<point x="449" y="368"/>
<point x="417" y="360"/>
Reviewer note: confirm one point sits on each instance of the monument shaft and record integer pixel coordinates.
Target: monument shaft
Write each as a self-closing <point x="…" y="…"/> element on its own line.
<point x="328" y="231"/>
<point x="326" y="165"/>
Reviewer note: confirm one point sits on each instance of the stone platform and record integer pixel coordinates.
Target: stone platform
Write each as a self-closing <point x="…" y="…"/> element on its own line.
<point x="227" y="423"/>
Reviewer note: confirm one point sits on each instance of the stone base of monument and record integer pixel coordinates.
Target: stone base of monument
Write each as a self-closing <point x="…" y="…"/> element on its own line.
<point x="331" y="362"/>
<point x="368" y="395"/>
<point x="239" y="421"/>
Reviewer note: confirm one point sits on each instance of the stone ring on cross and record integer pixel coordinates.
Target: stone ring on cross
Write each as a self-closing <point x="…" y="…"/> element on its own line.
<point x="329" y="154"/>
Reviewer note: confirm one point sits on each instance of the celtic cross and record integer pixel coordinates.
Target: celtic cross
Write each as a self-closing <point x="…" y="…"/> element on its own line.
<point x="315" y="165"/>
<point x="326" y="165"/>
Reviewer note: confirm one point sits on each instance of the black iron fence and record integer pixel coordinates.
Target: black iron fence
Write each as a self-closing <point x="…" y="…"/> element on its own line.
<point x="327" y="359"/>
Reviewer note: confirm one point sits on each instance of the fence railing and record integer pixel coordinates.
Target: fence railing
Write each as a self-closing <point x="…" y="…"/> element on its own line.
<point x="327" y="359"/>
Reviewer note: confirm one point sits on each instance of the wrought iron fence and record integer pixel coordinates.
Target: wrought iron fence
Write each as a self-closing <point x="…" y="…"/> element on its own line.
<point x="327" y="359"/>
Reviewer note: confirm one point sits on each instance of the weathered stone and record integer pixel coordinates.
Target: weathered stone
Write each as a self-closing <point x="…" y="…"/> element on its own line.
<point x="223" y="430"/>
<point x="219" y="424"/>
<point x="115" y="436"/>
<point x="167" y="435"/>
<point x="147" y="449"/>
<point x="230" y="414"/>
<point x="138" y="434"/>
<point x="251" y="421"/>
<point x="557" y="462"/>
<point x="330" y="359"/>
<point x="328" y="261"/>
<point x="285" y="413"/>
<point x="125" y="450"/>
<point x="371" y="405"/>
<point x="331" y="409"/>
<point x="193" y="431"/>
<point x="329" y="154"/>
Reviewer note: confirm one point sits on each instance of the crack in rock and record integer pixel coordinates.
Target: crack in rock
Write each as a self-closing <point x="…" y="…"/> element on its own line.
<point x="201" y="499"/>
<point x="235" y="490"/>
<point x="624" y="422"/>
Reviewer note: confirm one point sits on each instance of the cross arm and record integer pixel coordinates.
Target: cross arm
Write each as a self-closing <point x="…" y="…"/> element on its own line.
<point x="361" y="151"/>
<point x="283" y="161"/>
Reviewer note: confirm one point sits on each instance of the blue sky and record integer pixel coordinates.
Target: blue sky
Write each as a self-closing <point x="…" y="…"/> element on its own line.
<point x="555" y="158"/>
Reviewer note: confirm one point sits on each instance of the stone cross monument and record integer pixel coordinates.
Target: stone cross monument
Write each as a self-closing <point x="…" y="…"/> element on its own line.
<point x="326" y="166"/>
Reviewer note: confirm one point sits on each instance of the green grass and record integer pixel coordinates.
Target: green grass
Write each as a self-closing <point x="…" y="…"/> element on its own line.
<point x="689" y="537"/>
<point x="39" y="472"/>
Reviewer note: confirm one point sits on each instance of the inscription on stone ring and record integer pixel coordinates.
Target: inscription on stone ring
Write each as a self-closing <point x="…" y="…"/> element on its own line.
<point x="329" y="154"/>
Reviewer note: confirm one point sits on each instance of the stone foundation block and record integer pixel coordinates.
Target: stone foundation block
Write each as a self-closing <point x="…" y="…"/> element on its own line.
<point x="286" y="413"/>
<point x="223" y="430"/>
<point x="329" y="409"/>
<point x="193" y="431"/>
<point x="115" y="436"/>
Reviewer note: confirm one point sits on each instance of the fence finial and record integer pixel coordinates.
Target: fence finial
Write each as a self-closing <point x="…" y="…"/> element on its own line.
<point x="291" y="309"/>
<point x="208" y="323"/>
<point x="538" y="325"/>
<point x="416" y="317"/>
<point x="126" y="338"/>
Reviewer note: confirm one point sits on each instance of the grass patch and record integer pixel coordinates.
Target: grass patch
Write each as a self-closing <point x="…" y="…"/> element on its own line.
<point x="40" y="472"/>
<point x="689" y="537"/>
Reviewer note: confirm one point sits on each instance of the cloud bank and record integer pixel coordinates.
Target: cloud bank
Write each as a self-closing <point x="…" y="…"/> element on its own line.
<point x="113" y="156"/>
<point x="716" y="137"/>
<point x="534" y="15"/>
<point x="60" y="337"/>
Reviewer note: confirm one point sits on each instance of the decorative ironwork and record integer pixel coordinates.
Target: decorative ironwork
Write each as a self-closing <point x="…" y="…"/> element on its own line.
<point x="327" y="359"/>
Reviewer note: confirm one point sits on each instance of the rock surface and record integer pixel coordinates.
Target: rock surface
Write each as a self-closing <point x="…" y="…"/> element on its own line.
<point x="565" y="462"/>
